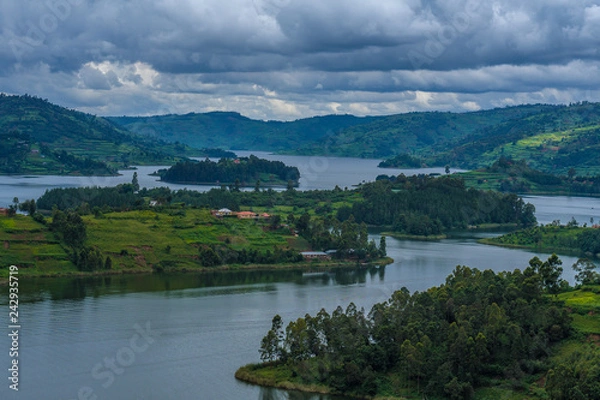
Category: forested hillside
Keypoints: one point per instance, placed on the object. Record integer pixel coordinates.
(517, 176)
(40, 137)
(231, 130)
(553, 138)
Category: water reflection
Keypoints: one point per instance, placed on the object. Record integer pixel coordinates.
(275, 394)
(187, 284)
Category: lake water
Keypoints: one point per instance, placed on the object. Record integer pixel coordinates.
(183, 336)
(316, 173)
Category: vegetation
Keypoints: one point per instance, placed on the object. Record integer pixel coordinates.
(479, 329)
(425, 206)
(239, 172)
(101, 234)
(402, 161)
(43, 138)
(567, 239)
(554, 140)
(516, 176)
(142, 241)
(420, 205)
(229, 130)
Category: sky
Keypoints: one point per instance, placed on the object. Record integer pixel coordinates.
(291, 59)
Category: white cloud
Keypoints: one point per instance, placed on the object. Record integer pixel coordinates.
(285, 59)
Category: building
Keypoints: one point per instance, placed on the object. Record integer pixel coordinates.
(223, 212)
(315, 255)
(246, 215)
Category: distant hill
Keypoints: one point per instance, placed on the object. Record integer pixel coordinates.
(231, 130)
(416, 133)
(42, 138)
(553, 138)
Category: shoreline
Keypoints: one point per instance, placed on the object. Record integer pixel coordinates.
(301, 266)
(545, 249)
(247, 374)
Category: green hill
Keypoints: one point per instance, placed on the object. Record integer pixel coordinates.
(418, 133)
(516, 176)
(231, 130)
(553, 138)
(42, 138)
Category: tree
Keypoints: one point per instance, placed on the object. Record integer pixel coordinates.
(271, 347)
(382, 246)
(274, 221)
(135, 183)
(208, 257)
(70, 227)
(302, 222)
(586, 272)
(549, 272)
(268, 347)
(108, 263)
(28, 206)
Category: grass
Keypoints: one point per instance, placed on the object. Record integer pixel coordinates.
(143, 240)
(29, 244)
(585, 306)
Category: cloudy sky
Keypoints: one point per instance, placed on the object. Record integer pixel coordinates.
(288, 59)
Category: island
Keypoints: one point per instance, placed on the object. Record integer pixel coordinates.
(238, 172)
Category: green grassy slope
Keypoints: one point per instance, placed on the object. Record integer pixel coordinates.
(420, 133)
(40, 137)
(137, 241)
(554, 140)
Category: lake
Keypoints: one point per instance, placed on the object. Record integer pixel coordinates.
(183, 336)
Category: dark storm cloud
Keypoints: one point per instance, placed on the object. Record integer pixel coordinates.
(297, 51)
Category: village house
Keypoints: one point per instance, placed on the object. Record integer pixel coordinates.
(223, 212)
(246, 215)
(315, 255)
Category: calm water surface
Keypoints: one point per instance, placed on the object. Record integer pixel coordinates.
(203, 327)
